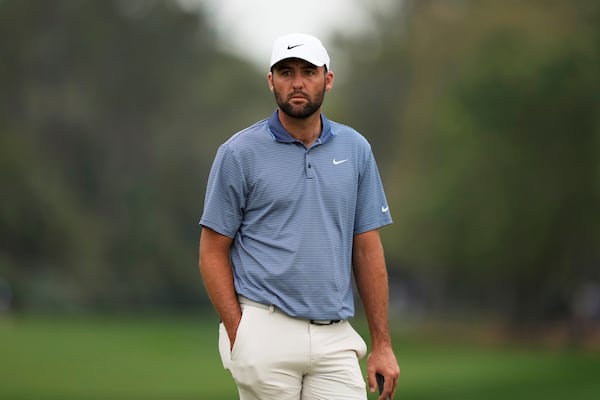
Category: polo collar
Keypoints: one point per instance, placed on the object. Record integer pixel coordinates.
(281, 135)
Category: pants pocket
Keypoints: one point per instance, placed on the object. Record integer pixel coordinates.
(225, 349)
(224, 346)
(360, 347)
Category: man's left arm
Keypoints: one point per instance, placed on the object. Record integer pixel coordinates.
(370, 274)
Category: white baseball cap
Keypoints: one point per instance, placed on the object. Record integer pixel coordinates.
(300, 45)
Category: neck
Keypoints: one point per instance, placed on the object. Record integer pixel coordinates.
(306, 130)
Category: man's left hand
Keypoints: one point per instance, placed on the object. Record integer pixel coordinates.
(383, 361)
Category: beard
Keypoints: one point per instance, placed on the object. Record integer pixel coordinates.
(299, 111)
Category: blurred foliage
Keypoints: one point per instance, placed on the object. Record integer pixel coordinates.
(483, 116)
(486, 113)
(111, 114)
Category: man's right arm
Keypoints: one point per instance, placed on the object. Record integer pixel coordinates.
(217, 274)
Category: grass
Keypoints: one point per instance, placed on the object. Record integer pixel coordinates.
(176, 358)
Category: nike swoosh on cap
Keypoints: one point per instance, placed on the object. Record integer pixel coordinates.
(296, 45)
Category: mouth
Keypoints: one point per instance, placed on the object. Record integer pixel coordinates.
(298, 96)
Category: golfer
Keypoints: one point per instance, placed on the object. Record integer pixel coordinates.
(291, 214)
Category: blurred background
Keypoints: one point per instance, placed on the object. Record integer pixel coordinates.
(483, 116)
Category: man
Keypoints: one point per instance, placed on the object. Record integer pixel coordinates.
(292, 208)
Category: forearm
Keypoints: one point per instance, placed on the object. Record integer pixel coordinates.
(218, 280)
(217, 275)
(371, 279)
(372, 282)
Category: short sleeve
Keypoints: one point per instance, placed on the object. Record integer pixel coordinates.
(372, 210)
(224, 199)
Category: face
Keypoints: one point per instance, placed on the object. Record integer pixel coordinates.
(299, 87)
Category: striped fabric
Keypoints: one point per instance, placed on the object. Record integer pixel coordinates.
(292, 213)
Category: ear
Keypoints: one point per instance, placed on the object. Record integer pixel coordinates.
(329, 78)
(270, 80)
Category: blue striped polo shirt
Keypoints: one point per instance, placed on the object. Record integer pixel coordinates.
(292, 213)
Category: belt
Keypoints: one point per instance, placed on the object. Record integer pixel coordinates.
(324, 321)
(271, 308)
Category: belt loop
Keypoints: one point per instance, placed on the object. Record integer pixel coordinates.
(271, 309)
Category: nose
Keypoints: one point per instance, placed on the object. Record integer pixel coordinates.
(297, 82)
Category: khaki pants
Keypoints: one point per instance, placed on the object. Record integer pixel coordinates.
(276, 357)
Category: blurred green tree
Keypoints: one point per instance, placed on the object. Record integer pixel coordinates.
(487, 118)
(110, 117)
